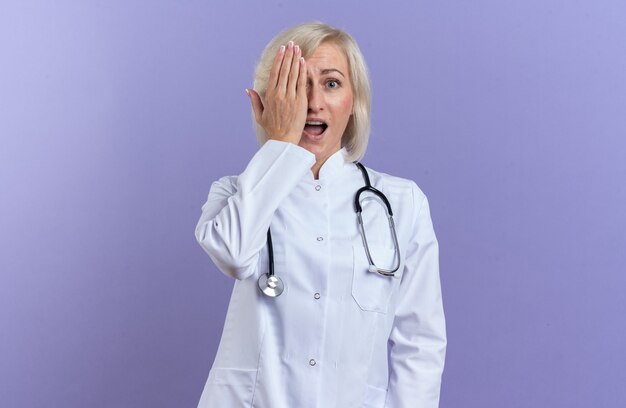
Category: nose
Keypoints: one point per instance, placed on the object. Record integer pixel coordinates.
(316, 99)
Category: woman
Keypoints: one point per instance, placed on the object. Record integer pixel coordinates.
(318, 332)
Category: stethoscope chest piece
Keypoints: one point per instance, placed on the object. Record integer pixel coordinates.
(271, 285)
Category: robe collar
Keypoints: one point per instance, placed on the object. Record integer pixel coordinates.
(332, 167)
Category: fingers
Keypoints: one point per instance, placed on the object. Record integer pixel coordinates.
(273, 79)
(257, 104)
(295, 70)
(285, 68)
(301, 85)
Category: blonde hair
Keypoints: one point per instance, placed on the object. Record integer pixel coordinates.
(309, 36)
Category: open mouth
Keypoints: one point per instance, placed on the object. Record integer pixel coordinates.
(315, 128)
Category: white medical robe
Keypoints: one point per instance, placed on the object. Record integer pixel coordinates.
(324, 342)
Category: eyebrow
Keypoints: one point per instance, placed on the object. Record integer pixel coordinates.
(327, 70)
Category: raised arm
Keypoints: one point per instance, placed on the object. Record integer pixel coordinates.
(233, 226)
(236, 215)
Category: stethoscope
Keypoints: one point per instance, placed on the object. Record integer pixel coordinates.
(272, 285)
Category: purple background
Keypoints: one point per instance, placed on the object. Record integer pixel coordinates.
(116, 116)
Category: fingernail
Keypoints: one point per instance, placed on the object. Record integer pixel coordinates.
(282, 49)
(247, 92)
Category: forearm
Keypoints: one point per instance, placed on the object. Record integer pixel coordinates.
(234, 222)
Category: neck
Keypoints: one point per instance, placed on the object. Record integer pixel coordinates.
(319, 163)
(316, 168)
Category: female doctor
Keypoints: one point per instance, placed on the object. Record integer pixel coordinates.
(326, 311)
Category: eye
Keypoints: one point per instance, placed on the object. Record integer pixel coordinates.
(336, 82)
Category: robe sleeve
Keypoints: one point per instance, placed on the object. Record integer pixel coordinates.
(233, 226)
(417, 341)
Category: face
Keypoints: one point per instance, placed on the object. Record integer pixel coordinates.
(329, 93)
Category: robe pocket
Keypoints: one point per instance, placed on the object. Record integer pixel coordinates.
(371, 290)
(229, 387)
(374, 397)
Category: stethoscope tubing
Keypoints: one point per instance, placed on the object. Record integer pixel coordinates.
(271, 285)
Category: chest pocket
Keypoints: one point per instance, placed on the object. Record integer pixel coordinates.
(371, 290)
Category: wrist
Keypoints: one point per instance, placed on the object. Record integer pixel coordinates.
(287, 138)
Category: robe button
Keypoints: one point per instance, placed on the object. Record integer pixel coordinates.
(316, 296)
(312, 362)
(318, 187)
